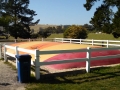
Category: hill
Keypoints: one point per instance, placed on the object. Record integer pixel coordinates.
(36, 27)
(43, 26)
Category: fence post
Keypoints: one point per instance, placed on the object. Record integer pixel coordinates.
(92, 42)
(17, 53)
(54, 39)
(29, 39)
(70, 41)
(37, 66)
(0, 50)
(107, 43)
(88, 56)
(62, 40)
(5, 56)
(15, 41)
(42, 39)
(80, 41)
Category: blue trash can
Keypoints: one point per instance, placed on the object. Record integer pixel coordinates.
(23, 67)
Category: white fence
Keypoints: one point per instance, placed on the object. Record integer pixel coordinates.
(106, 43)
(37, 54)
(26, 40)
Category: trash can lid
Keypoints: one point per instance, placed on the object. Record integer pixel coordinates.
(23, 56)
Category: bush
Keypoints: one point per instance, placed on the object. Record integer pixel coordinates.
(76, 32)
(35, 35)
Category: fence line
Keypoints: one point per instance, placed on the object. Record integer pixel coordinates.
(37, 54)
(107, 43)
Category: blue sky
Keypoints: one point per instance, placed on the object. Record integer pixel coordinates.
(62, 12)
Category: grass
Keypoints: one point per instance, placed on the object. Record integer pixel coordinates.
(102, 36)
(56, 35)
(104, 78)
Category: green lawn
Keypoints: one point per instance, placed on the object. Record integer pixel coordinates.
(102, 36)
(107, 78)
(56, 35)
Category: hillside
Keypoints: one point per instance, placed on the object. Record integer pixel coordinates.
(36, 27)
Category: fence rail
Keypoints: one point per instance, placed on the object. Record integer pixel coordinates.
(37, 53)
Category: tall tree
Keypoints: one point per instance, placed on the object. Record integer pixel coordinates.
(116, 24)
(21, 17)
(104, 18)
(101, 17)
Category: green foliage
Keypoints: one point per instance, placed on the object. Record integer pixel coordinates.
(101, 18)
(116, 24)
(20, 17)
(44, 32)
(76, 32)
(4, 20)
(35, 35)
(89, 27)
(104, 18)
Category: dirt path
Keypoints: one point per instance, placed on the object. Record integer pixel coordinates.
(8, 78)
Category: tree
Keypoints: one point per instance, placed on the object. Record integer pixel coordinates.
(88, 27)
(116, 24)
(4, 20)
(101, 17)
(21, 17)
(77, 32)
(104, 18)
(44, 32)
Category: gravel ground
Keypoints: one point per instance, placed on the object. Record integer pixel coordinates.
(8, 78)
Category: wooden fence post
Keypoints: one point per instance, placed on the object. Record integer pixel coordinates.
(0, 50)
(5, 56)
(17, 53)
(88, 56)
(37, 66)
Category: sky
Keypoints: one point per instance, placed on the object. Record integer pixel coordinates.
(62, 12)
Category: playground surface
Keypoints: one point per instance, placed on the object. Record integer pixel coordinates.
(47, 46)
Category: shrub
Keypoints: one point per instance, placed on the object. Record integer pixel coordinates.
(76, 32)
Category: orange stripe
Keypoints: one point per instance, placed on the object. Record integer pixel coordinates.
(44, 45)
(16, 44)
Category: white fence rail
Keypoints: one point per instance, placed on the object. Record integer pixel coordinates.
(37, 54)
(106, 43)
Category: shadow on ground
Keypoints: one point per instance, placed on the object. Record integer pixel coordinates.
(78, 76)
